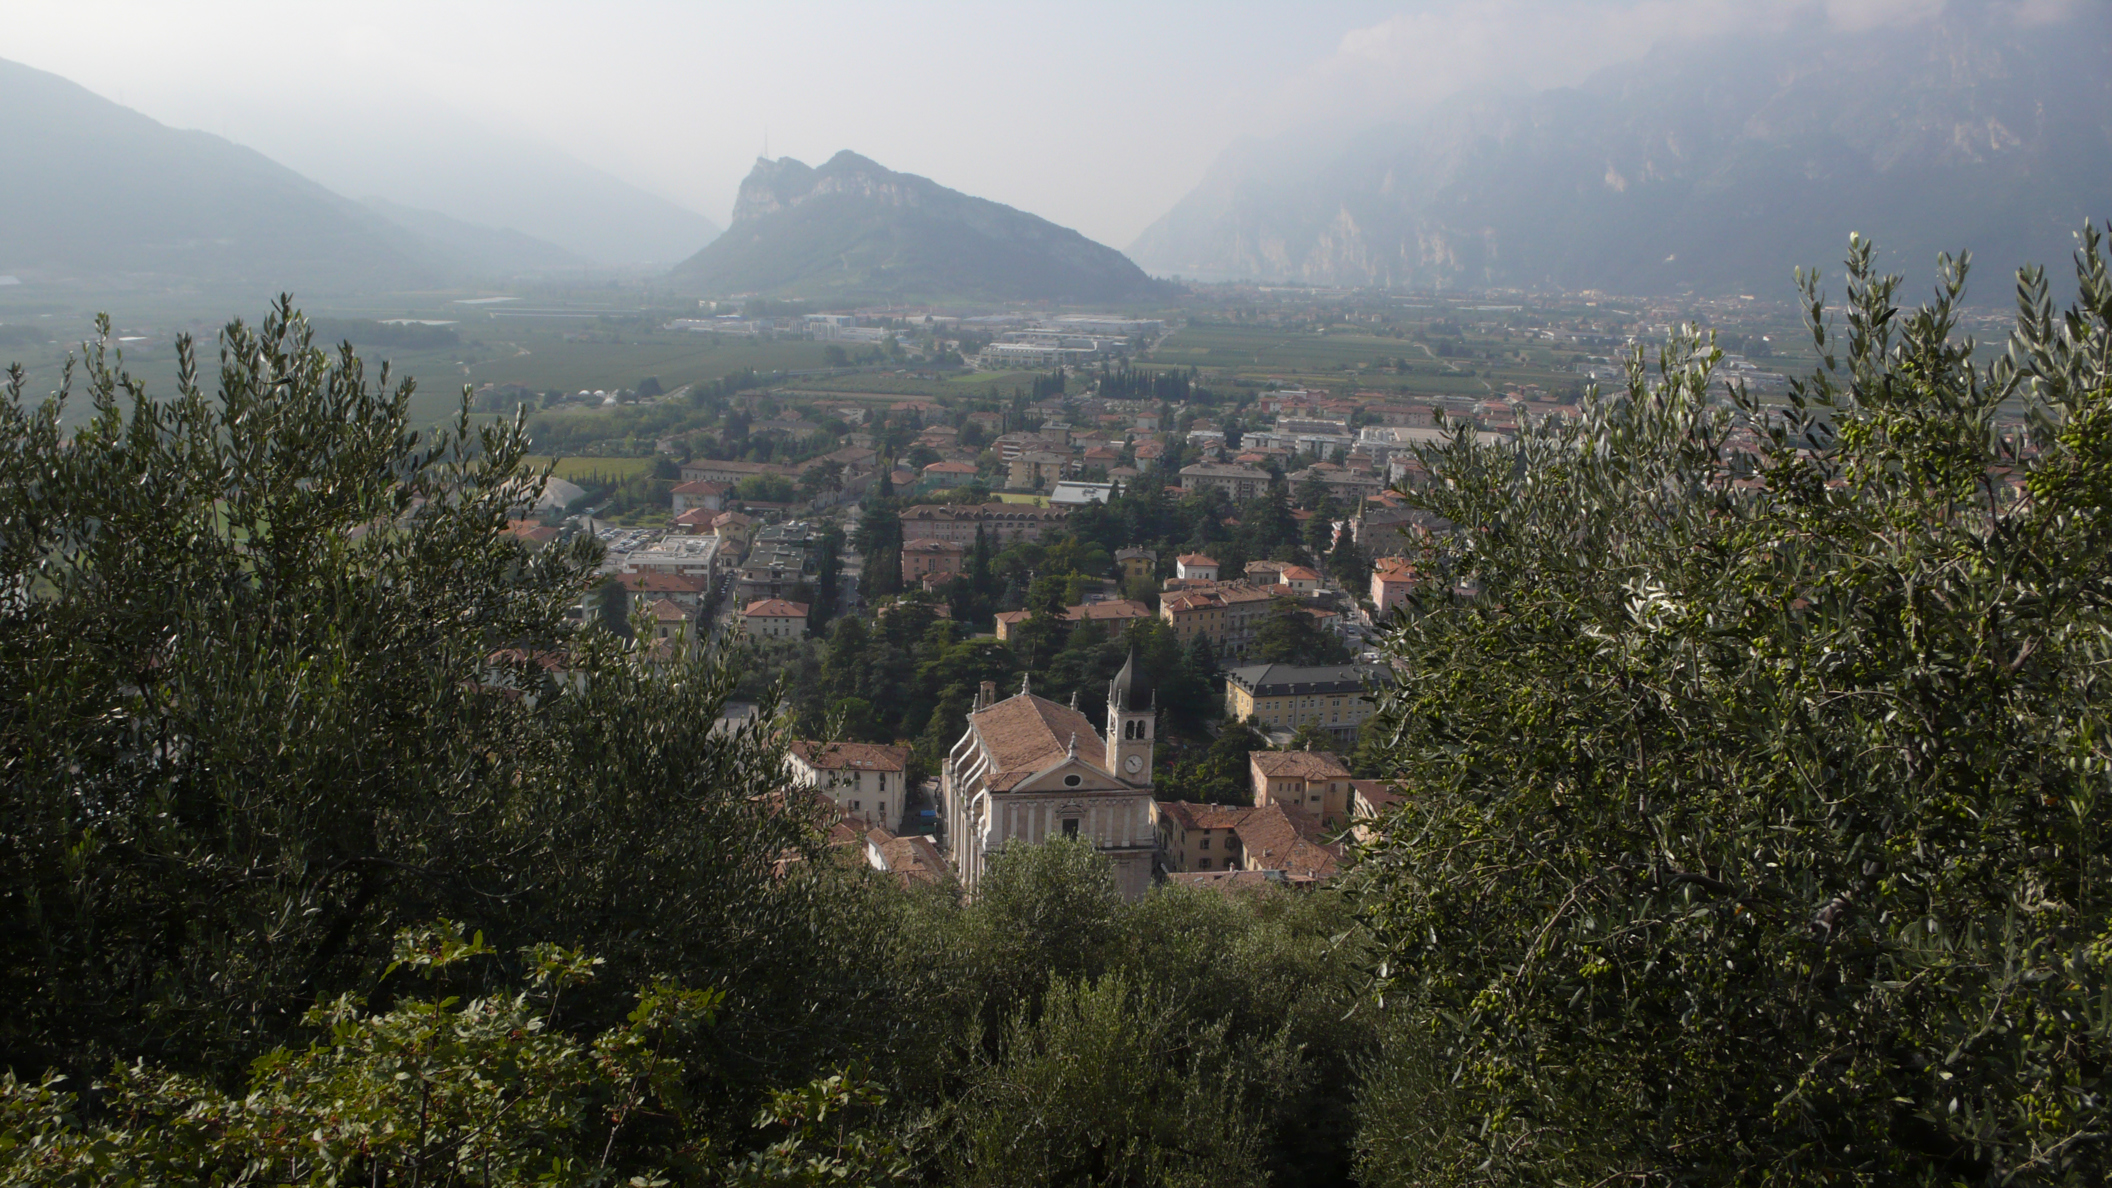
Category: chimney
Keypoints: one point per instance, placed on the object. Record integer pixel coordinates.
(987, 695)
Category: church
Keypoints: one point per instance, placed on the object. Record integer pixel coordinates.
(1032, 769)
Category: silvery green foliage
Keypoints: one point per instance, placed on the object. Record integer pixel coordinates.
(276, 683)
(1755, 758)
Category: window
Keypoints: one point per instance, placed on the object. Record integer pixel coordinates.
(1205, 845)
(1070, 827)
(1072, 781)
(1202, 864)
(883, 781)
(883, 810)
(854, 806)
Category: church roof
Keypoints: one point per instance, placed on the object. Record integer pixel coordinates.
(1025, 734)
(1132, 689)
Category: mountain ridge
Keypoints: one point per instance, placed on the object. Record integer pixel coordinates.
(854, 229)
(1684, 174)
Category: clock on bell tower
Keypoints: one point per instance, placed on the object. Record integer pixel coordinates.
(1132, 712)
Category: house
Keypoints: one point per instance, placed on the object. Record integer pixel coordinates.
(1391, 580)
(696, 521)
(672, 625)
(1028, 769)
(1368, 799)
(1001, 523)
(649, 586)
(1316, 781)
(1237, 480)
(1137, 563)
(731, 472)
(775, 618)
(1275, 837)
(1118, 611)
(949, 474)
(1036, 469)
(909, 859)
(532, 534)
(1299, 579)
(689, 556)
(920, 557)
(700, 494)
(1198, 837)
(1195, 565)
(1227, 881)
(736, 529)
(1283, 697)
(869, 781)
(1230, 614)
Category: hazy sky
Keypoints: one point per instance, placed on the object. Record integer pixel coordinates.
(1099, 115)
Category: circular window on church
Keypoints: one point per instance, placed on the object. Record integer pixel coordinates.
(1072, 781)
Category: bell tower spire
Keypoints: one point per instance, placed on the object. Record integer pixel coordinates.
(1132, 715)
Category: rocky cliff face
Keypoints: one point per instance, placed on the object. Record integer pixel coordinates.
(1716, 170)
(855, 229)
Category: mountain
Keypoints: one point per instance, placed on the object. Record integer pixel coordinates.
(99, 193)
(853, 230)
(476, 250)
(477, 174)
(1714, 169)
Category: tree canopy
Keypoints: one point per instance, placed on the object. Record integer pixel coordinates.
(1755, 828)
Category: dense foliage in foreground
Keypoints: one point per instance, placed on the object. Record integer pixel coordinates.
(1753, 830)
(285, 717)
(1758, 829)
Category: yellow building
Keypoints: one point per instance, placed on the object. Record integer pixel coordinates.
(1284, 697)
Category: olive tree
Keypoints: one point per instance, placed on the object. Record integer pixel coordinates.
(1755, 758)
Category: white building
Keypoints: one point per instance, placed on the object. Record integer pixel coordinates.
(868, 781)
(1031, 770)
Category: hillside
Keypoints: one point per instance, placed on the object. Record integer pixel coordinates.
(852, 229)
(1716, 170)
(477, 250)
(98, 193)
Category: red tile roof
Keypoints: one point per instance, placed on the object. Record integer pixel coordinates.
(775, 608)
(1026, 734)
(1305, 765)
(838, 756)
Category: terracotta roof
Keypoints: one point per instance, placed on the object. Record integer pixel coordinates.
(1275, 837)
(837, 756)
(1026, 733)
(1114, 608)
(950, 468)
(926, 544)
(667, 612)
(775, 608)
(701, 487)
(660, 583)
(909, 859)
(697, 516)
(1195, 559)
(1190, 815)
(1299, 573)
(1310, 765)
(1379, 794)
(1226, 880)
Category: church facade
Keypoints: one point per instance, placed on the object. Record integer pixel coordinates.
(1030, 769)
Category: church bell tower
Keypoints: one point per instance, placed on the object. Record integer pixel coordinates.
(1132, 712)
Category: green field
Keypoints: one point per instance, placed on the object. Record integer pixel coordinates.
(545, 360)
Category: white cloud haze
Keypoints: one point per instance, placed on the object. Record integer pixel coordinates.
(1098, 115)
